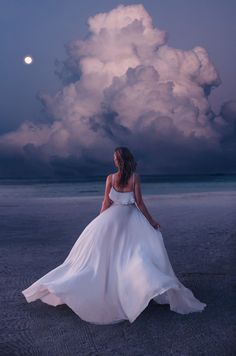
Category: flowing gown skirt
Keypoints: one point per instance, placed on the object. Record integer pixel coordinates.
(116, 266)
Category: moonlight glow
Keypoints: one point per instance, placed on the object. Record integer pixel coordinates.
(28, 60)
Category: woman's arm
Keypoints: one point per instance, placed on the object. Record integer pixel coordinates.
(106, 203)
(140, 203)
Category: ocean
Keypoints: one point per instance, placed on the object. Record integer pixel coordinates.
(95, 186)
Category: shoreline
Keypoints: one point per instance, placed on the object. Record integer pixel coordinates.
(164, 196)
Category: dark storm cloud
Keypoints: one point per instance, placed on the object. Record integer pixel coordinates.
(123, 85)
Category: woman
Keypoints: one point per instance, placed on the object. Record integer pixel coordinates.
(119, 262)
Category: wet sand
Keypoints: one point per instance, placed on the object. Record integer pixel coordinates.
(199, 231)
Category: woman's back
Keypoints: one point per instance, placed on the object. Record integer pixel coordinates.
(129, 185)
(122, 197)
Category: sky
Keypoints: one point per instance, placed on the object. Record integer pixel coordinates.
(155, 76)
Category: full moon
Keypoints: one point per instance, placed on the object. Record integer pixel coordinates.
(28, 60)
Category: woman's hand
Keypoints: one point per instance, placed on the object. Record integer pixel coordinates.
(155, 224)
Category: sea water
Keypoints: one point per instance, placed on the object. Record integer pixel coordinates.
(95, 186)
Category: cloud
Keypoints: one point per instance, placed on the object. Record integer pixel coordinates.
(123, 85)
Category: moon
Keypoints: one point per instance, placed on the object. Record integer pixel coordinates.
(28, 60)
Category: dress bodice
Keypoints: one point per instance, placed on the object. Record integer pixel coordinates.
(121, 198)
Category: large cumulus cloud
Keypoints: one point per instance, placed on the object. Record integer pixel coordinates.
(123, 85)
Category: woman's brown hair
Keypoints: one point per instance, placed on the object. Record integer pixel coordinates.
(127, 164)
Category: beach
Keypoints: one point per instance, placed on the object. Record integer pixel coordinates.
(199, 231)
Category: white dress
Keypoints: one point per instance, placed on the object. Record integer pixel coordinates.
(115, 267)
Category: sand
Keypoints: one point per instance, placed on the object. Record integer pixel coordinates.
(199, 231)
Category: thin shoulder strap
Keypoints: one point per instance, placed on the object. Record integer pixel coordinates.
(133, 181)
(112, 180)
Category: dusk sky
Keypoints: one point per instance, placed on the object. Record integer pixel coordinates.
(155, 76)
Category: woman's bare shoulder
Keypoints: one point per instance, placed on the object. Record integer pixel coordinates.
(109, 177)
(136, 177)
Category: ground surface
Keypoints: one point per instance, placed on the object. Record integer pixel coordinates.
(199, 234)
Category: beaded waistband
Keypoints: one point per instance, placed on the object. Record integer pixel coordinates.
(123, 204)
